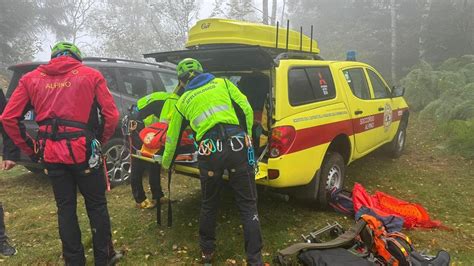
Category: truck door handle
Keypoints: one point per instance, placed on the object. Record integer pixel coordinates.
(381, 108)
(358, 112)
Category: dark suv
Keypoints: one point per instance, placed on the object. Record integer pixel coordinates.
(128, 81)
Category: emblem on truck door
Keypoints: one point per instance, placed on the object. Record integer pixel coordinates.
(387, 117)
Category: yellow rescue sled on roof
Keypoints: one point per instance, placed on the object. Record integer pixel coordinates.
(215, 31)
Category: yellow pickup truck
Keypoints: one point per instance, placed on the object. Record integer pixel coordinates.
(315, 116)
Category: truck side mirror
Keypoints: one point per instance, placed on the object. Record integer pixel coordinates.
(398, 91)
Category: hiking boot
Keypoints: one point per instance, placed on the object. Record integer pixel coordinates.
(6, 250)
(115, 258)
(152, 204)
(146, 204)
(207, 258)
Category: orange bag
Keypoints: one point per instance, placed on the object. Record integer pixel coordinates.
(414, 215)
(154, 136)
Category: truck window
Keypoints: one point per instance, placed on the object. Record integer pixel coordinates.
(311, 84)
(357, 82)
(380, 90)
(138, 83)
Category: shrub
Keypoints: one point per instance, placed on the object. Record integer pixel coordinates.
(421, 87)
(461, 139)
(446, 95)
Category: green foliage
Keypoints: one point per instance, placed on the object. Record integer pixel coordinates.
(461, 139)
(446, 95)
(421, 86)
(468, 71)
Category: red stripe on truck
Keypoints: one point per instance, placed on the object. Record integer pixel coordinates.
(313, 136)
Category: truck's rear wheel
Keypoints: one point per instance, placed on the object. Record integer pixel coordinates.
(333, 171)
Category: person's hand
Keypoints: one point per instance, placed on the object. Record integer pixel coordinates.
(7, 165)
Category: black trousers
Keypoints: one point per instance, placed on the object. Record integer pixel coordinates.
(242, 182)
(66, 179)
(3, 236)
(138, 170)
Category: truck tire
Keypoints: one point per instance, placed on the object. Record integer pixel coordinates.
(333, 171)
(117, 162)
(397, 145)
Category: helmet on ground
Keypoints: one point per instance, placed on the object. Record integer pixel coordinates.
(188, 66)
(66, 48)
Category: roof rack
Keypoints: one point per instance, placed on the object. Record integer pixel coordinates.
(297, 55)
(118, 60)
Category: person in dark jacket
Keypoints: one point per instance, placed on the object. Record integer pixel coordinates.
(10, 154)
(67, 97)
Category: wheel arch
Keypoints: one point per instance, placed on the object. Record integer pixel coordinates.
(342, 145)
(405, 116)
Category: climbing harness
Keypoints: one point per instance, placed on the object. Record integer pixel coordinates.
(55, 135)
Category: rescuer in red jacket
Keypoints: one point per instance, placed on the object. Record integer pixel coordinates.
(67, 98)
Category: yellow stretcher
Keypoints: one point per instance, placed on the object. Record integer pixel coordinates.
(262, 173)
(216, 31)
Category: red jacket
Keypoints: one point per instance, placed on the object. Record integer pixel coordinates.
(64, 89)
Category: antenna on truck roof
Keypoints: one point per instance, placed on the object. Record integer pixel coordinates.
(301, 38)
(287, 33)
(288, 36)
(278, 27)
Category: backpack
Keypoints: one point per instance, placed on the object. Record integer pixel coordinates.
(368, 234)
(341, 201)
(393, 248)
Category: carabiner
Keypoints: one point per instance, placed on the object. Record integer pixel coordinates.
(203, 150)
(251, 156)
(248, 141)
(211, 146)
(219, 145)
(239, 141)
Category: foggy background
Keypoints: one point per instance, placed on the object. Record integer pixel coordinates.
(425, 45)
(393, 35)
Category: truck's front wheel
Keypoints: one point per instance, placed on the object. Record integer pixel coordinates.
(397, 145)
(333, 171)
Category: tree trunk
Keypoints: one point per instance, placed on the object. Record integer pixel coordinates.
(274, 11)
(283, 11)
(265, 12)
(423, 27)
(393, 14)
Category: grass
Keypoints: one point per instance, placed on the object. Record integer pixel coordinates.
(424, 174)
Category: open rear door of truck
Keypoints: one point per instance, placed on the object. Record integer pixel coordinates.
(222, 58)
